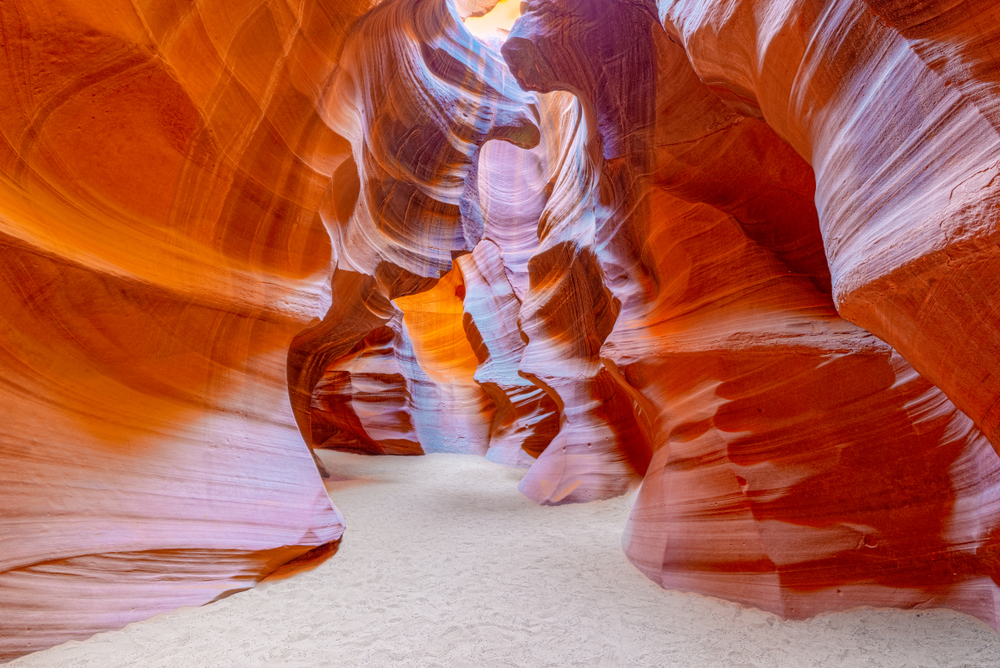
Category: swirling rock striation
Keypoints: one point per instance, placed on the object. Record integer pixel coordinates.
(799, 463)
(893, 104)
(657, 246)
(526, 416)
(416, 96)
(161, 171)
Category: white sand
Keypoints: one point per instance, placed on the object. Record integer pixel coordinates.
(445, 564)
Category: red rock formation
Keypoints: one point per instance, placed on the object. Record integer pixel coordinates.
(415, 108)
(568, 312)
(228, 224)
(364, 401)
(454, 414)
(894, 105)
(526, 416)
(800, 464)
(161, 169)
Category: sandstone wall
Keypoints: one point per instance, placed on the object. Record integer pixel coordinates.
(742, 252)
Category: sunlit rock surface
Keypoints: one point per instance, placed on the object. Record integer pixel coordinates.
(161, 170)
(526, 416)
(416, 96)
(894, 104)
(364, 401)
(800, 464)
(741, 252)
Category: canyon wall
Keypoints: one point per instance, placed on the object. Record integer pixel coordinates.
(894, 106)
(189, 196)
(742, 253)
(161, 170)
(799, 463)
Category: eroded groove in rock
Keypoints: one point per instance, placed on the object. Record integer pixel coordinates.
(894, 106)
(526, 417)
(364, 401)
(452, 411)
(568, 312)
(767, 485)
(513, 189)
(161, 169)
(416, 95)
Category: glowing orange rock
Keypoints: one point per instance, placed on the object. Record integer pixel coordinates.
(406, 200)
(161, 170)
(363, 402)
(228, 224)
(894, 104)
(567, 313)
(800, 464)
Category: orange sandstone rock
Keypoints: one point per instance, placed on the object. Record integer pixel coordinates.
(894, 105)
(800, 464)
(161, 169)
(415, 108)
(526, 416)
(230, 227)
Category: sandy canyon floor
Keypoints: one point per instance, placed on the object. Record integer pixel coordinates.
(445, 564)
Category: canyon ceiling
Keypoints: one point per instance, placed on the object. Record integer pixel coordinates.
(743, 251)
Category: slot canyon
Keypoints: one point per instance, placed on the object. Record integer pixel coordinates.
(737, 261)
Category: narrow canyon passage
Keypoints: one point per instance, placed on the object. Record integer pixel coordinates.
(446, 564)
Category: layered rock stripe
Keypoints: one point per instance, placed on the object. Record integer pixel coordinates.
(740, 252)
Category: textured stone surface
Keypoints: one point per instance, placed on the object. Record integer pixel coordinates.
(161, 169)
(526, 416)
(744, 252)
(894, 105)
(415, 109)
(800, 464)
